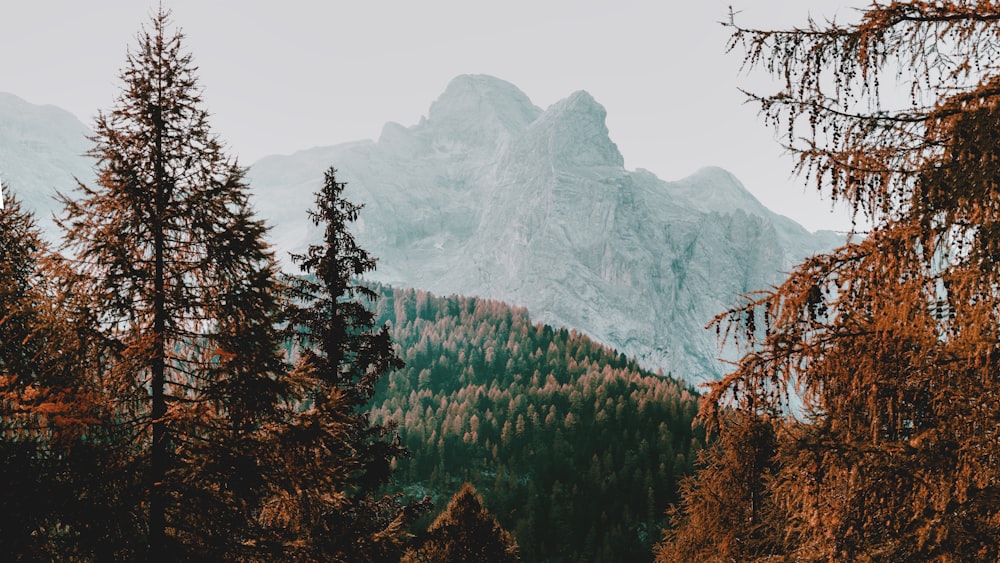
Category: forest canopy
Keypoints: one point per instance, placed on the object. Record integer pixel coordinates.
(574, 448)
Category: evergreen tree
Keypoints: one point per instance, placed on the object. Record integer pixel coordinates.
(465, 533)
(21, 291)
(330, 506)
(891, 343)
(184, 288)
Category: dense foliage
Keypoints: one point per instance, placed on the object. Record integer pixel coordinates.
(574, 448)
(866, 423)
(147, 411)
(60, 481)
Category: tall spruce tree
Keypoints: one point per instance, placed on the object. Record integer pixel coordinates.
(330, 506)
(892, 342)
(184, 287)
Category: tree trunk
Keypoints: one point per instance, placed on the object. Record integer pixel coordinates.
(158, 462)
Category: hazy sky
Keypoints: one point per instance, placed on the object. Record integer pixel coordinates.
(284, 76)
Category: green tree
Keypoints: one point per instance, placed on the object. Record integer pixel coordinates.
(465, 533)
(184, 289)
(887, 450)
(331, 506)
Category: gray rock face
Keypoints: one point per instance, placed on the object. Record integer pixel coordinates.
(491, 196)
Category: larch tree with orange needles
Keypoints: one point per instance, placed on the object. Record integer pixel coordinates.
(862, 422)
(56, 455)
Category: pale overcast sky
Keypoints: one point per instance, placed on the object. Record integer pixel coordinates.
(285, 76)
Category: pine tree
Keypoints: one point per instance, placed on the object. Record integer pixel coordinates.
(888, 449)
(184, 288)
(330, 505)
(20, 290)
(465, 533)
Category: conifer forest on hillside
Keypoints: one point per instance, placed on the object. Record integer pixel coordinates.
(168, 393)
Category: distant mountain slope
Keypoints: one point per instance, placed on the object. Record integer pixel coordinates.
(41, 151)
(491, 196)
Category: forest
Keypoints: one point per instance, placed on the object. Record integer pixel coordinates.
(576, 450)
(168, 394)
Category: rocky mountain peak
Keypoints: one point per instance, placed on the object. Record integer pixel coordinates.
(491, 196)
(572, 132)
(715, 189)
(480, 110)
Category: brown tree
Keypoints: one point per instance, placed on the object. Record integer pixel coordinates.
(875, 364)
(727, 513)
(465, 533)
(183, 289)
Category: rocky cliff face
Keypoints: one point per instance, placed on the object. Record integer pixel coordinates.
(491, 196)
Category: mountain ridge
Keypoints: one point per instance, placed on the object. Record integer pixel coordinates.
(544, 215)
(490, 195)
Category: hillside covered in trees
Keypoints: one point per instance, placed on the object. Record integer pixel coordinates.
(575, 449)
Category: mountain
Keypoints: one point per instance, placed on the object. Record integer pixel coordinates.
(492, 196)
(41, 151)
